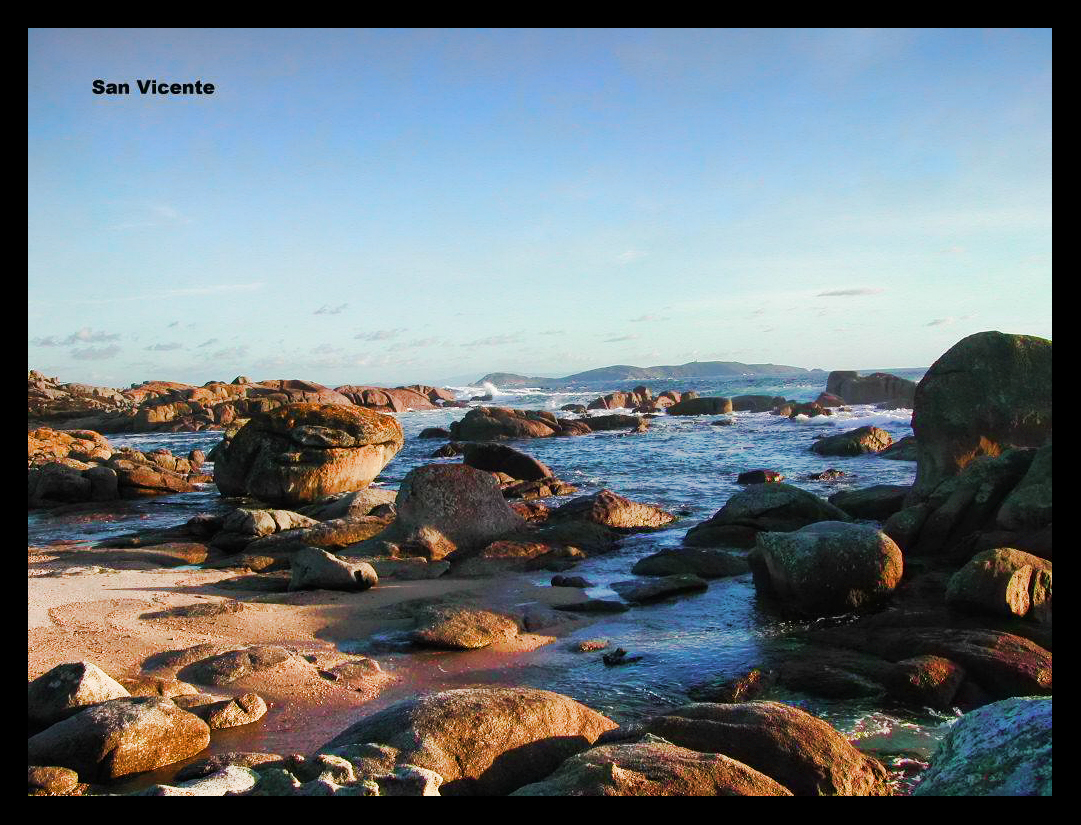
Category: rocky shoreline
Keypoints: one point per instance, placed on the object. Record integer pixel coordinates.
(937, 596)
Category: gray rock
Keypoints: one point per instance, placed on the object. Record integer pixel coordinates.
(67, 689)
(662, 587)
(315, 569)
(1001, 749)
(827, 567)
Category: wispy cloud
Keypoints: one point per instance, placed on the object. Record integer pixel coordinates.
(379, 334)
(621, 338)
(95, 353)
(208, 342)
(846, 293)
(187, 292)
(630, 256)
(423, 342)
(326, 309)
(495, 341)
(165, 347)
(152, 216)
(648, 317)
(86, 335)
(228, 354)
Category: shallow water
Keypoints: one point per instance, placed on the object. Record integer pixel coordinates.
(682, 464)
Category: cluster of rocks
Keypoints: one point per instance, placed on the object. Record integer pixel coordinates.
(526, 742)
(166, 406)
(84, 722)
(498, 423)
(75, 466)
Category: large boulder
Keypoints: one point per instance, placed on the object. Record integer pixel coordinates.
(827, 567)
(988, 392)
(300, 453)
(120, 737)
(801, 752)
(1001, 749)
(462, 504)
(1005, 582)
(653, 768)
(701, 406)
(67, 689)
(871, 389)
(481, 741)
(494, 423)
(499, 458)
(859, 441)
(772, 507)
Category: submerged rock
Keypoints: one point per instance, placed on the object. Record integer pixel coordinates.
(662, 587)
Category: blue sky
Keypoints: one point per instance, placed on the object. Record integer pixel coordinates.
(398, 206)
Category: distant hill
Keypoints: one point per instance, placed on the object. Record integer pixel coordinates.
(624, 372)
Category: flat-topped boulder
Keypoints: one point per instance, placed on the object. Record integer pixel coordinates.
(301, 453)
(481, 741)
(660, 587)
(701, 406)
(772, 507)
(987, 393)
(875, 388)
